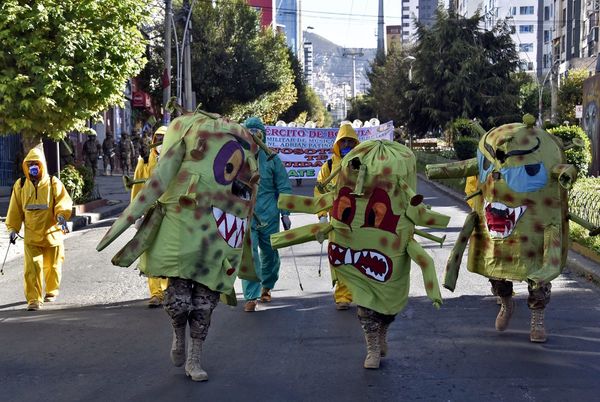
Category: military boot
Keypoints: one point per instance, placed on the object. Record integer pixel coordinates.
(538, 332)
(178, 347)
(373, 350)
(507, 308)
(193, 369)
(383, 346)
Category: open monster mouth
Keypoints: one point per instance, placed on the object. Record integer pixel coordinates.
(370, 262)
(231, 228)
(501, 219)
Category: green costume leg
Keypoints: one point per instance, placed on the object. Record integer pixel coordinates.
(420, 256)
(252, 289)
(453, 265)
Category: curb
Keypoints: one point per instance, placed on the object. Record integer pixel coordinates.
(83, 220)
(576, 262)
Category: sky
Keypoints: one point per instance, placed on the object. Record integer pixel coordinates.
(349, 23)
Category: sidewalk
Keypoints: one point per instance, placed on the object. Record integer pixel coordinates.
(110, 188)
(576, 262)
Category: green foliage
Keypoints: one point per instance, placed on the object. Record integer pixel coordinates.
(570, 94)
(88, 181)
(62, 62)
(73, 182)
(239, 69)
(459, 71)
(579, 157)
(361, 108)
(466, 147)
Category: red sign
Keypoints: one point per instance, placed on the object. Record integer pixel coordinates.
(140, 99)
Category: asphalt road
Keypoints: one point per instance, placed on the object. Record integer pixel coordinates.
(100, 342)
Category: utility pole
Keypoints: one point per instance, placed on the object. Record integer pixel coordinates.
(380, 33)
(353, 54)
(553, 93)
(167, 69)
(187, 60)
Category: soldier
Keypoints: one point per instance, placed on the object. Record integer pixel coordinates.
(145, 147)
(108, 149)
(91, 150)
(126, 150)
(67, 152)
(135, 140)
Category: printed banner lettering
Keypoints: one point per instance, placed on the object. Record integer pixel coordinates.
(304, 150)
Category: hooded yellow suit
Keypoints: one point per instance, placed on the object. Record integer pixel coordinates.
(341, 293)
(36, 207)
(144, 170)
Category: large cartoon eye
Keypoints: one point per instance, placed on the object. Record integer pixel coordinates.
(532, 170)
(228, 162)
(379, 212)
(344, 206)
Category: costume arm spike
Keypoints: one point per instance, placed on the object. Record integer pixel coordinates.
(453, 170)
(552, 264)
(304, 234)
(420, 215)
(322, 187)
(593, 231)
(423, 260)
(309, 205)
(566, 175)
(156, 185)
(453, 264)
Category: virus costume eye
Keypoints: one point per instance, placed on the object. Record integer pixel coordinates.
(379, 212)
(228, 162)
(344, 207)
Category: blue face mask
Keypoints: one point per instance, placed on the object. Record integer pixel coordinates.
(344, 151)
(34, 170)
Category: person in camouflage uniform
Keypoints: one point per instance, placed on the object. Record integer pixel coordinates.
(135, 140)
(145, 142)
(108, 150)
(126, 153)
(91, 150)
(67, 152)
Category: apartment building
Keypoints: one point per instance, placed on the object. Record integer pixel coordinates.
(421, 10)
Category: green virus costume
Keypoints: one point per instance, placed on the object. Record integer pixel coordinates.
(374, 210)
(518, 229)
(196, 205)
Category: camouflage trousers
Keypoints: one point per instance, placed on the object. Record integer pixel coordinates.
(537, 300)
(372, 321)
(190, 302)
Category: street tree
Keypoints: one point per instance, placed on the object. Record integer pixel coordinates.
(239, 69)
(570, 94)
(459, 70)
(62, 62)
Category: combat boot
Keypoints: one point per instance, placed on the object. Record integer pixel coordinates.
(383, 346)
(178, 347)
(538, 332)
(373, 350)
(506, 311)
(193, 369)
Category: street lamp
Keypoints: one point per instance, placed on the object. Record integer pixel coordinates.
(411, 60)
(541, 91)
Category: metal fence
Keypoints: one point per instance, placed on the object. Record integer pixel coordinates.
(9, 148)
(586, 205)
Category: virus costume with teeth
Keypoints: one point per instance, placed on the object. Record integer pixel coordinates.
(374, 210)
(518, 229)
(196, 207)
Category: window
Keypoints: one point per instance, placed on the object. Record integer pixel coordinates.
(405, 8)
(513, 29)
(525, 28)
(546, 13)
(526, 47)
(406, 24)
(405, 16)
(513, 11)
(546, 36)
(527, 10)
(526, 65)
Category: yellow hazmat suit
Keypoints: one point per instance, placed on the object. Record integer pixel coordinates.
(341, 292)
(143, 170)
(470, 188)
(37, 207)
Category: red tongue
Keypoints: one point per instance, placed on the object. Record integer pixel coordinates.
(497, 222)
(376, 265)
